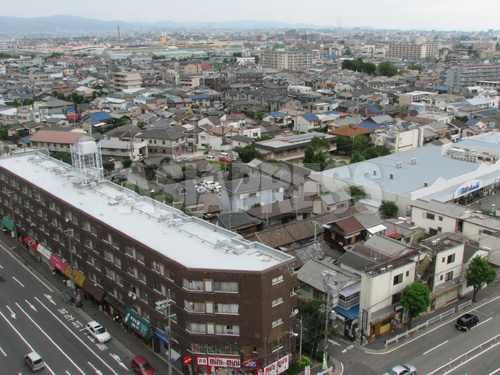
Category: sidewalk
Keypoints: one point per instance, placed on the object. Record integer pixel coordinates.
(482, 296)
(130, 344)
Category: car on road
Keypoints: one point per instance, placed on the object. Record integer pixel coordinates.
(119, 177)
(183, 158)
(141, 366)
(34, 361)
(466, 322)
(98, 332)
(225, 159)
(402, 370)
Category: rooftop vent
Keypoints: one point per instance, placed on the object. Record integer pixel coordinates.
(399, 165)
(413, 161)
(113, 203)
(426, 184)
(374, 172)
(391, 176)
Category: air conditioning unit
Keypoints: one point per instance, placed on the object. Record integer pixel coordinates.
(389, 267)
(413, 160)
(383, 269)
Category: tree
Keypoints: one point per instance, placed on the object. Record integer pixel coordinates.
(257, 59)
(356, 157)
(479, 274)
(319, 143)
(308, 154)
(389, 209)
(247, 153)
(108, 165)
(387, 68)
(415, 67)
(356, 192)
(415, 298)
(369, 68)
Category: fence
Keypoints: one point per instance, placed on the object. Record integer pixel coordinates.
(420, 326)
(464, 305)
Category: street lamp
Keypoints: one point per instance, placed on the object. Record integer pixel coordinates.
(278, 356)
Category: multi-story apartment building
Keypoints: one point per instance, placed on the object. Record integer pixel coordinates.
(279, 58)
(414, 51)
(463, 76)
(120, 81)
(231, 299)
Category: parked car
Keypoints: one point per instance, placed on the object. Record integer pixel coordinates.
(34, 361)
(98, 332)
(119, 177)
(210, 158)
(466, 322)
(141, 366)
(234, 158)
(201, 189)
(225, 159)
(183, 158)
(402, 370)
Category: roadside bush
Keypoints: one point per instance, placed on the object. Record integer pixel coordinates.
(127, 163)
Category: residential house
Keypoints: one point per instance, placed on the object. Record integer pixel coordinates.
(164, 141)
(121, 150)
(238, 222)
(245, 193)
(282, 212)
(55, 140)
(333, 201)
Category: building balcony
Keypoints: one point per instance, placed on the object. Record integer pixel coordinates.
(346, 305)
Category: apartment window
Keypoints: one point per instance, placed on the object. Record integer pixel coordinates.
(93, 230)
(277, 344)
(192, 285)
(226, 286)
(227, 308)
(130, 251)
(227, 330)
(198, 307)
(449, 276)
(451, 258)
(86, 226)
(157, 286)
(140, 257)
(277, 280)
(118, 261)
(157, 267)
(199, 328)
(144, 296)
(119, 279)
(142, 277)
(108, 256)
(396, 298)
(429, 216)
(110, 273)
(277, 301)
(89, 243)
(440, 218)
(106, 237)
(116, 243)
(277, 322)
(398, 279)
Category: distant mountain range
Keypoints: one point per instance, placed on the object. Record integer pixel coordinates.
(74, 24)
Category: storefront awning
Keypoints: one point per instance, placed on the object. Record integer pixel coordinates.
(138, 324)
(352, 313)
(30, 242)
(8, 224)
(79, 278)
(58, 263)
(93, 290)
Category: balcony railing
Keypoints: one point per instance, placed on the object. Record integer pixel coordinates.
(346, 305)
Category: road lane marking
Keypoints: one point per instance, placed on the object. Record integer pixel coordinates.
(477, 325)
(117, 359)
(27, 269)
(20, 283)
(96, 370)
(50, 339)
(1, 266)
(467, 361)
(3, 351)
(427, 332)
(22, 338)
(74, 334)
(494, 372)
(12, 313)
(30, 305)
(430, 350)
(49, 297)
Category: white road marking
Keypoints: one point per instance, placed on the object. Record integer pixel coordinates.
(333, 342)
(3, 352)
(12, 313)
(67, 372)
(20, 283)
(427, 332)
(494, 372)
(26, 342)
(30, 305)
(1, 266)
(50, 339)
(49, 297)
(73, 333)
(348, 348)
(27, 269)
(96, 370)
(437, 346)
(117, 359)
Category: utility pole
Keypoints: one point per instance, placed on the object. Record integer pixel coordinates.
(300, 343)
(164, 306)
(328, 287)
(70, 234)
(315, 236)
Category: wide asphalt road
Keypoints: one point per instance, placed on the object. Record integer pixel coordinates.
(33, 317)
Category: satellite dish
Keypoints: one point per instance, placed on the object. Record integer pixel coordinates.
(296, 311)
(130, 294)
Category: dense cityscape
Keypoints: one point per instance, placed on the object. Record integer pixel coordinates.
(255, 201)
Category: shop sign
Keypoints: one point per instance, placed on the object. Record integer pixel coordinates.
(44, 251)
(187, 360)
(218, 361)
(138, 324)
(277, 367)
(250, 363)
(79, 278)
(58, 263)
(162, 337)
(468, 187)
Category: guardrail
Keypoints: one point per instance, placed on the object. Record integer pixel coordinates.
(420, 326)
(464, 305)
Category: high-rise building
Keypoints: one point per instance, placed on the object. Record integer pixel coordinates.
(281, 58)
(464, 76)
(425, 50)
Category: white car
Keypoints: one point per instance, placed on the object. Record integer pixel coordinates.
(98, 332)
(402, 370)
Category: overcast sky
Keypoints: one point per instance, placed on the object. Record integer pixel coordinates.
(463, 15)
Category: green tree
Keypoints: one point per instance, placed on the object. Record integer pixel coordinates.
(415, 298)
(247, 153)
(415, 67)
(356, 192)
(369, 68)
(63, 156)
(387, 68)
(462, 119)
(308, 154)
(257, 59)
(319, 144)
(479, 274)
(108, 165)
(356, 157)
(127, 163)
(389, 209)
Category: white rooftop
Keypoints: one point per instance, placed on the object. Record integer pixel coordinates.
(190, 241)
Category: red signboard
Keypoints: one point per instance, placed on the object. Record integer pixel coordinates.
(188, 359)
(58, 263)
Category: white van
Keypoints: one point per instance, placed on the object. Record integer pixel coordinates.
(223, 155)
(34, 361)
(210, 157)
